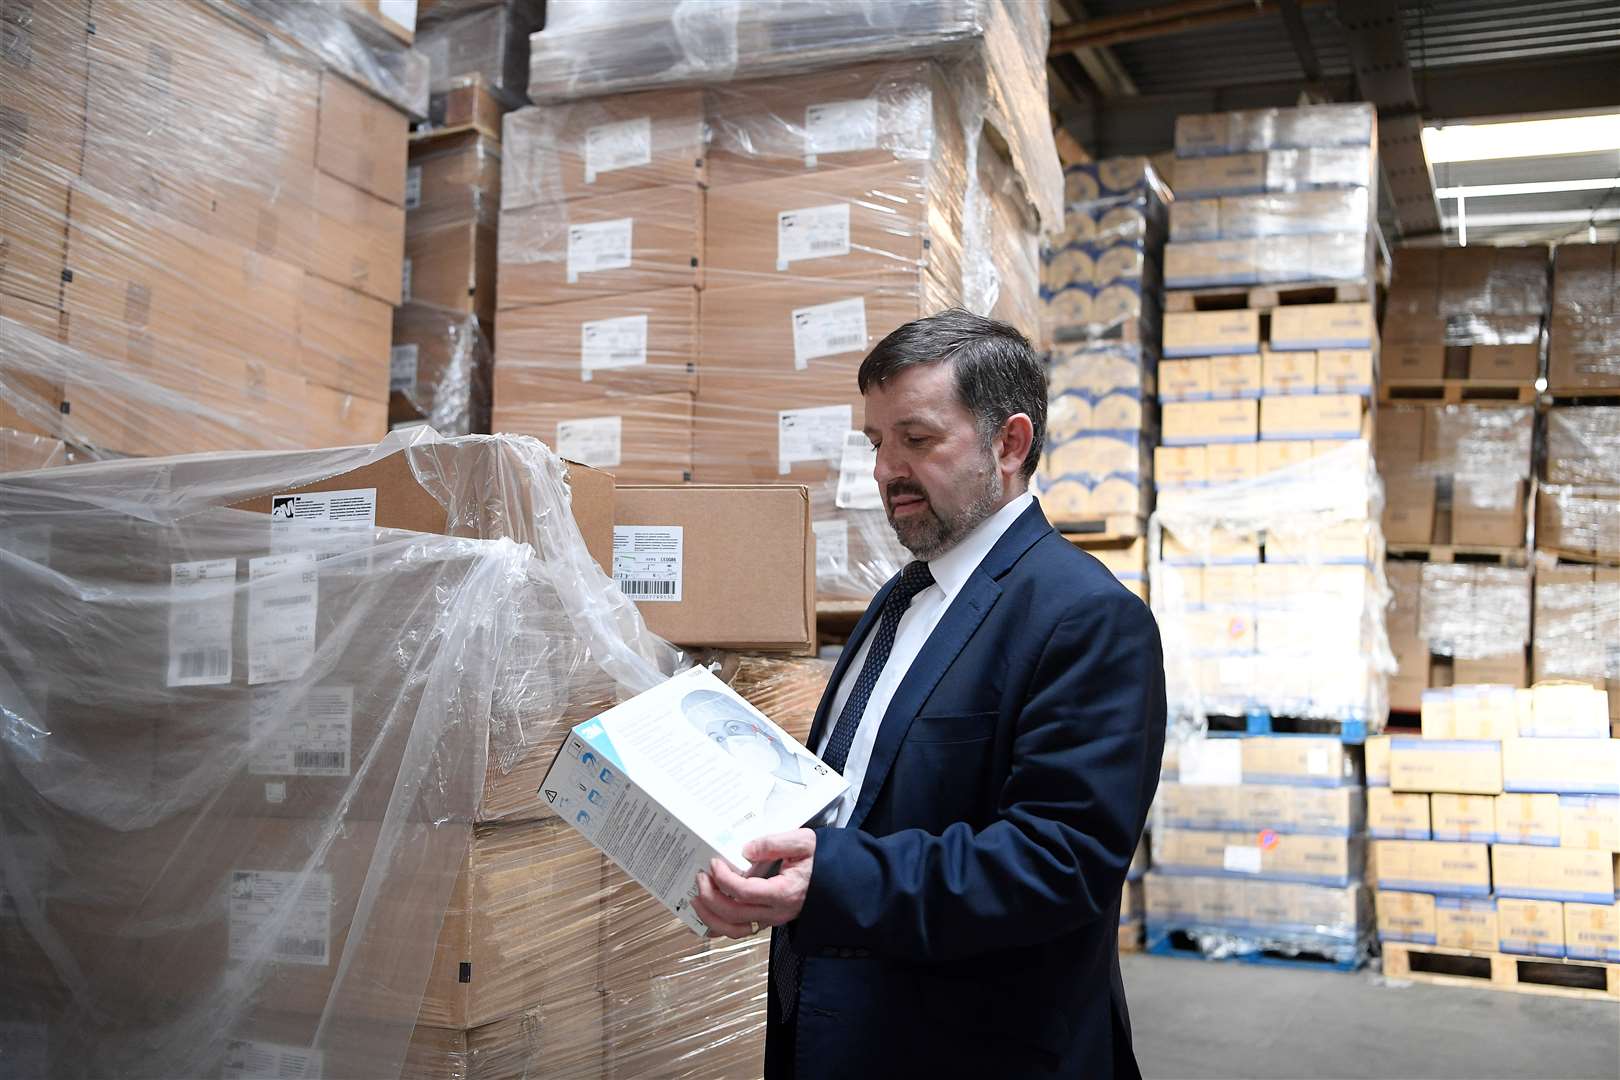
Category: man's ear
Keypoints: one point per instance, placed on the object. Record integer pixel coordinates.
(1016, 437)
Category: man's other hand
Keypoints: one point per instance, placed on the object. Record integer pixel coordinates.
(732, 905)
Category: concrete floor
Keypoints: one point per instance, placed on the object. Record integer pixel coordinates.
(1193, 1018)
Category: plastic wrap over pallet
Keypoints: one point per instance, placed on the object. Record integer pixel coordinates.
(1100, 422)
(1100, 276)
(202, 230)
(1489, 282)
(490, 42)
(1578, 509)
(1299, 632)
(595, 47)
(1225, 917)
(1577, 626)
(1475, 611)
(248, 719)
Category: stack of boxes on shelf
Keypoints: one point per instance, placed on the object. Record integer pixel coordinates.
(1268, 571)
(1100, 282)
(786, 223)
(1456, 476)
(203, 229)
(1498, 829)
(1583, 336)
(1258, 846)
(478, 58)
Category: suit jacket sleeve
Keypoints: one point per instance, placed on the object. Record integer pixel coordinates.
(1071, 812)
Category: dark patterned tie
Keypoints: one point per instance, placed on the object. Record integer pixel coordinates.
(786, 963)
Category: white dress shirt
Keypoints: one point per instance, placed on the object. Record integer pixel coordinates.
(951, 571)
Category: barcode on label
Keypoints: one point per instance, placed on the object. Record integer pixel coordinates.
(205, 663)
(286, 601)
(297, 948)
(634, 589)
(320, 759)
(846, 341)
(827, 245)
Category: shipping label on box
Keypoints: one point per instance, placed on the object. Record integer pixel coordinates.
(1544, 873)
(1589, 821)
(1530, 927)
(1323, 326)
(1465, 923)
(1528, 819)
(1433, 866)
(1377, 752)
(1592, 932)
(1405, 916)
(1463, 817)
(1396, 815)
(680, 775)
(1463, 766)
(1211, 333)
(1564, 766)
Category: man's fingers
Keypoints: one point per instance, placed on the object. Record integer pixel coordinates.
(748, 890)
(738, 914)
(798, 844)
(718, 925)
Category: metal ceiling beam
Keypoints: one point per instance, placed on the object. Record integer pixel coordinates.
(1102, 68)
(1166, 19)
(1300, 38)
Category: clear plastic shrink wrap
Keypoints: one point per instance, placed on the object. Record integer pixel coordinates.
(1270, 594)
(1226, 917)
(487, 42)
(1577, 626)
(1475, 611)
(203, 232)
(1578, 509)
(839, 205)
(270, 780)
(1583, 336)
(1100, 276)
(1474, 459)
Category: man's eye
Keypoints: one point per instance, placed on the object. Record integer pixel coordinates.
(916, 440)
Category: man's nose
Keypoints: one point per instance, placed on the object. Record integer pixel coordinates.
(890, 464)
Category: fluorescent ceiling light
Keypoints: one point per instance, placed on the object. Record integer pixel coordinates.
(1536, 187)
(1534, 217)
(1522, 138)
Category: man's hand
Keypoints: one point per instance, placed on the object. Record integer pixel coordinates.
(735, 906)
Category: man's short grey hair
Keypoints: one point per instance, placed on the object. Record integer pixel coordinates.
(997, 373)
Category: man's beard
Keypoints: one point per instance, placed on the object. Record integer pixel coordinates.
(927, 535)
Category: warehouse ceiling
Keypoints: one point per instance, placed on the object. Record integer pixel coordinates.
(1123, 69)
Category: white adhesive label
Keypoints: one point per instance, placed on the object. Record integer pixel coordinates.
(595, 441)
(857, 484)
(606, 344)
(405, 280)
(1241, 859)
(282, 600)
(599, 245)
(300, 732)
(249, 1060)
(275, 791)
(827, 330)
(402, 13)
(402, 368)
(413, 187)
(272, 916)
(202, 613)
(1316, 762)
(327, 523)
(1211, 762)
(832, 127)
(814, 232)
(623, 145)
(811, 435)
(832, 548)
(647, 561)
(24, 1049)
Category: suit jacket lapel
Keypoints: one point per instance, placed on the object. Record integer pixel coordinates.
(845, 658)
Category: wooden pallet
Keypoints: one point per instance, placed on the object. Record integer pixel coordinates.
(1266, 297)
(1451, 553)
(1587, 395)
(1104, 531)
(1589, 979)
(1456, 392)
(1183, 942)
(1590, 558)
(1261, 722)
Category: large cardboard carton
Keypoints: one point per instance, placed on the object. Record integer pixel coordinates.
(727, 567)
(1323, 326)
(1463, 817)
(344, 338)
(1465, 923)
(645, 439)
(1461, 766)
(634, 343)
(451, 267)
(1548, 873)
(361, 139)
(1565, 766)
(1211, 333)
(1320, 416)
(452, 176)
(1405, 916)
(1184, 380)
(1589, 821)
(1377, 758)
(605, 146)
(1531, 927)
(1592, 932)
(1433, 866)
(1186, 423)
(1395, 815)
(359, 239)
(1528, 819)
(1180, 466)
(1312, 760)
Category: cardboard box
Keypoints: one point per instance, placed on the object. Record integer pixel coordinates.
(1566, 710)
(1231, 463)
(1395, 815)
(1185, 423)
(1549, 873)
(1505, 670)
(1344, 543)
(1463, 817)
(1235, 376)
(640, 439)
(1207, 263)
(1270, 456)
(1288, 372)
(1433, 866)
(1531, 927)
(1580, 351)
(1405, 361)
(1488, 511)
(439, 370)
(1297, 759)
(1528, 819)
(1344, 371)
(359, 240)
(637, 343)
(1320, 860)
(1201, 806)
(648, 751)
(590, 248)
(1438, 715)
(1482, 712)
(1463, 923)
(1323, 326)
(1185, 380)
(1226, 174)
(1219, 547)
(1195, 219)
(361, 139)
(1321, 416)
(1405, 916)
(1211, 333)
(1462, 766)
(451, 267)
(607, 145)
(1180, 466)
(1592, 932)
(722, 567)
(1565, 766)
(344, 338)
(1589, 821)
(1377, 754)
(452, 176)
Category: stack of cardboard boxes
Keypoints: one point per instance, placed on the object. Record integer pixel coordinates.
(1100, 283)
(1583, 336)
(1498, 829)
(1258, 845)
(1456, 475)
(203, 231)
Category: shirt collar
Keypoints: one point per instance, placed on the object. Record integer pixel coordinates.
(951, 570)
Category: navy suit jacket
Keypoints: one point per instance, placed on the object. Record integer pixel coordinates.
(966, 920)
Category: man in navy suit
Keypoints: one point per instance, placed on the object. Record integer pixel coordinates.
(999, 713)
